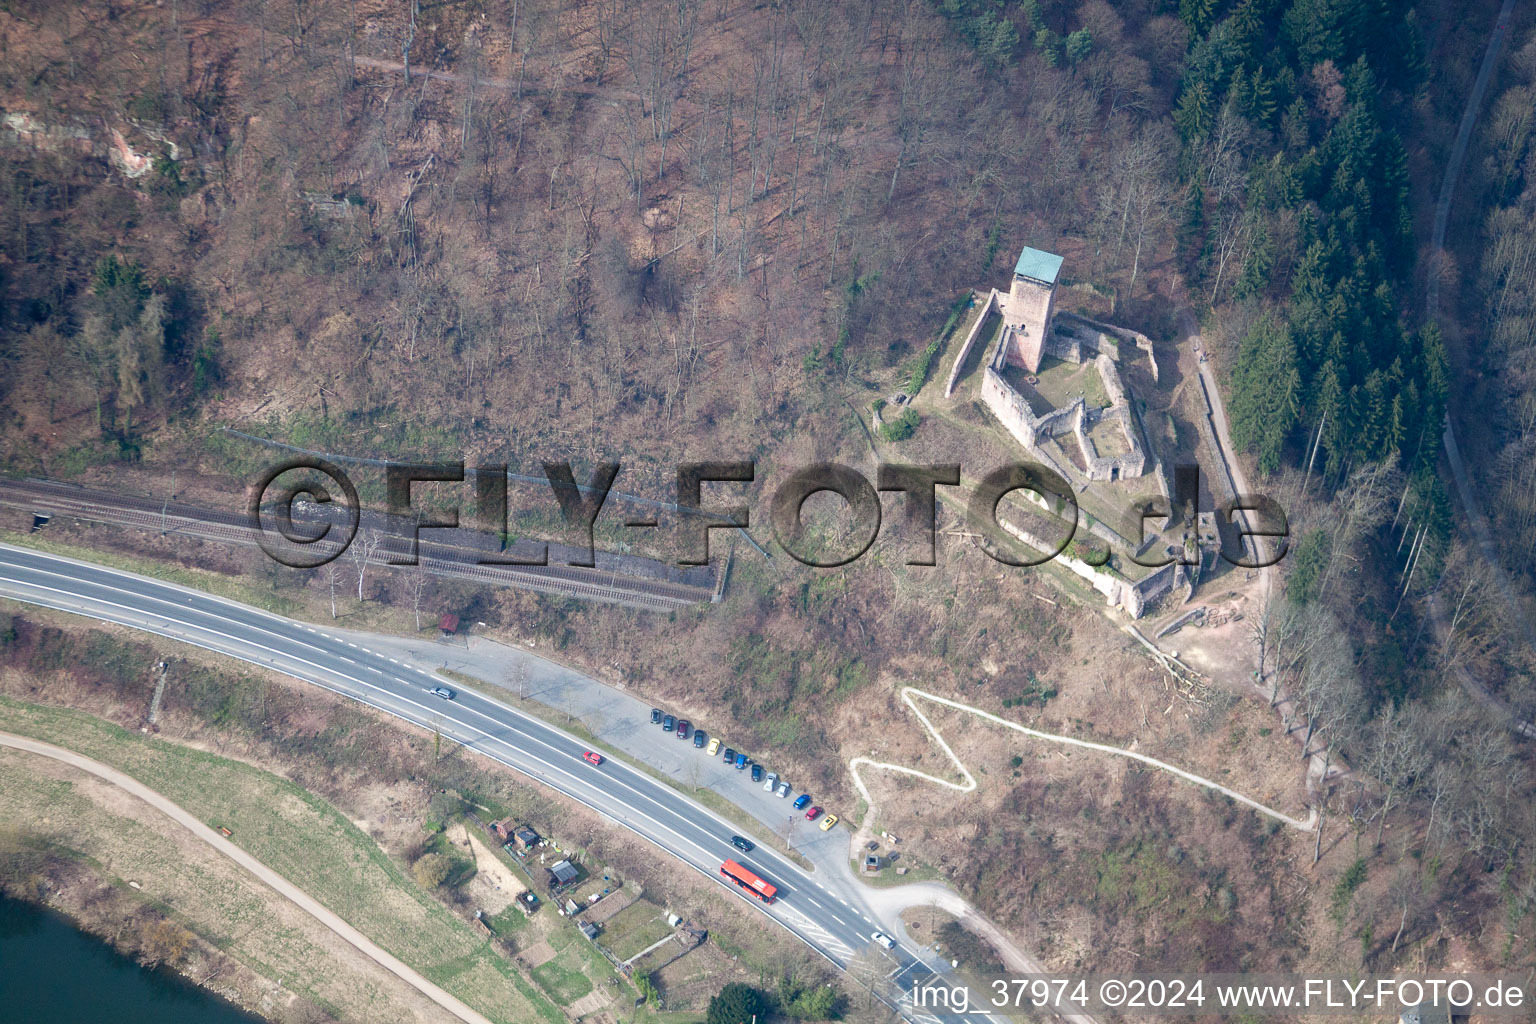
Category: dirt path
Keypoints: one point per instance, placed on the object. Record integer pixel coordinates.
(1320, 769)
(283, 887)
(909, 692)
(1475, 518)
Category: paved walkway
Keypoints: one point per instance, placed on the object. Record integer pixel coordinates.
(284, 887)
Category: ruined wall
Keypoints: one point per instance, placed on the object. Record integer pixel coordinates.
(1110, 374)
(1072, 339)
(1119, 592)
(1131, 463)
(970, 339)
(1125, 334)
(1108, 583)
(1142, 593)
(1008, 406)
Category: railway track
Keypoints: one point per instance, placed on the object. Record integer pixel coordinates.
(606, 584)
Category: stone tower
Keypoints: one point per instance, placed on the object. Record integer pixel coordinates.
(1027, 313)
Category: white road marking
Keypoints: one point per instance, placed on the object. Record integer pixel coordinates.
(392, 702)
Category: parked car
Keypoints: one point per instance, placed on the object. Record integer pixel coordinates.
(730, 756)
(699, 736)
(813, 814)
(801, 801)
(443, 692)
(883, 939)
(757, 773)
(684, 729)
(772, 783)
(668, 723)
(593, 758)
(742, 843)
(783, 789)
(741, 761)
(714, 747)
(655, 716)
(828, 822)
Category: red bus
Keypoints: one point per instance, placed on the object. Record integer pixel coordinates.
(749, 883)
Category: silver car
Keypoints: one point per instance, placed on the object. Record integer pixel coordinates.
(772, 783)
(783, 790)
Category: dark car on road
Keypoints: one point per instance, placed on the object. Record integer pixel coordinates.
(700, 737)
(667, 723)
(742, 843)
(684, 728)
(757, 773)
(729, 756)
(655, 716)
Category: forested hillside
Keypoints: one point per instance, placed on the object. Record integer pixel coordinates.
(1292, 117)
(658, 230)
(1506, 289)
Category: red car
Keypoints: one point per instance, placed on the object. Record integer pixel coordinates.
(593, 758)
(813, 814)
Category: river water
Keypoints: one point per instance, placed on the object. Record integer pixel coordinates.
(52, 974)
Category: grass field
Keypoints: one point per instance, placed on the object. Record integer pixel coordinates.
(578, 955)
(204, 892)
(634, 928)
(563, 983)
(510, 921)
(311, 844)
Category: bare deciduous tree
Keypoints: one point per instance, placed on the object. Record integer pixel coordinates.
(1396, 754)
(417, 585)
(332, 577)
(363, 549)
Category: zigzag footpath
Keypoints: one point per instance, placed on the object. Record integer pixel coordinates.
(908, 693)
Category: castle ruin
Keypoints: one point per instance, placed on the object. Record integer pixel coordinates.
(1099, 416)
(1052, 379)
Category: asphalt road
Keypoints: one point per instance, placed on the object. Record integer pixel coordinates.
(830, 919)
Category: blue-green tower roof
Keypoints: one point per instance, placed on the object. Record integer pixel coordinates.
(1038, 266)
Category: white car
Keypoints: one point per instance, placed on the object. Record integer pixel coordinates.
(783, 789)
(772, 783)
(884, 939)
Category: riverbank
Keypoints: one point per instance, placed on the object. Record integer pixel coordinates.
(72, 888)
(123, 873)
(54, 972)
